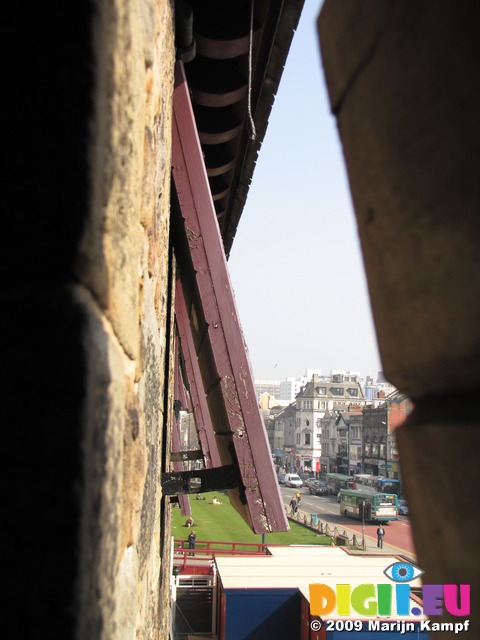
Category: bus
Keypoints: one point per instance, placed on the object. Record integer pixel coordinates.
(388, 485)
(380, 484)
(374, 507)
(337, 481)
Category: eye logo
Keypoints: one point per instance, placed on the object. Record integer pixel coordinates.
(403, 572)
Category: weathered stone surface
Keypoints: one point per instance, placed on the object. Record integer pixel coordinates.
(402, 82)
(104, 425)
(124, 268)
(438, 437)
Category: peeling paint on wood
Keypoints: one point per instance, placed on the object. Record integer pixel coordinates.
(222, 354)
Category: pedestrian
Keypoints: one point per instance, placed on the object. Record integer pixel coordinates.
(191, 541)
(380, 534)
(299, 498)
(189, 522)
(293, 504)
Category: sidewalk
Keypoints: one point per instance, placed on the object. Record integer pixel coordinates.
(370, 541)
(388, 549)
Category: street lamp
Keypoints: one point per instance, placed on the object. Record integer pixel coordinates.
(363, 524)
(348, 448)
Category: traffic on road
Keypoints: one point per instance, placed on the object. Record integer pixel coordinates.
(327, 509)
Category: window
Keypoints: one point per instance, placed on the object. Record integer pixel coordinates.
(353, 393)
(298, 438)
(368, 447)
(307, 438)
(322, 391)
(337, 391)
(383, 448)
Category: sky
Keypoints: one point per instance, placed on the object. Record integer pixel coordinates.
(295, 264)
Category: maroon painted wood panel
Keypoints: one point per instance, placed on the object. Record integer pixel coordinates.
(206, 434)
(217, 335)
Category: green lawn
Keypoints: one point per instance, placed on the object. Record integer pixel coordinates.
(223, 523)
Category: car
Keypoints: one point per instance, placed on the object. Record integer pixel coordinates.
(281, 478)
(318, 488)
(402, 508)
(293, 480)
(310, 482)
(322, 488)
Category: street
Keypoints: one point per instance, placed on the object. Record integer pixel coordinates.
(398, 535)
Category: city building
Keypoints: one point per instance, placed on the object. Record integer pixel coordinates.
(329, 440)
(289, 387)
(341, 392)
(285, 436)
(272, 387)
(342, 441)
(380, 454)
(349, 455)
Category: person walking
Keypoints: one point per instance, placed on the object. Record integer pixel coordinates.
(380, 534)
(191, 541)
(293, 504)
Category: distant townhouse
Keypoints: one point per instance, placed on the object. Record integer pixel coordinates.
(380, 455)
(349, 428)
(342, 441)
(399, 406)
(329, 439)
(336, 395)
(284, 437)
(375, 430)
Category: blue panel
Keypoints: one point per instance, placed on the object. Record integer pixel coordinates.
(258, 614)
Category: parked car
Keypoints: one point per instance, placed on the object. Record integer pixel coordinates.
(293, 480)
(281, 478)
(403, 508)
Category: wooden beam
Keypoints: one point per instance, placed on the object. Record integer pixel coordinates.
(199, 481)
(216, 330)
(185, 456)
(206, 434)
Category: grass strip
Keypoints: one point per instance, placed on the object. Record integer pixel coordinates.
(222, 523)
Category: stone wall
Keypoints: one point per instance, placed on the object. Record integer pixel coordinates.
(403, 84)
(123, 289)
(89, 331)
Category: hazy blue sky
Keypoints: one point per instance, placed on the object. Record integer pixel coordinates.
(296, 264)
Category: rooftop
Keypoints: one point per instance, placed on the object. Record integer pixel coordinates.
(299, 566)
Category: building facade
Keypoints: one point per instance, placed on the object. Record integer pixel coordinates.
(340, 392)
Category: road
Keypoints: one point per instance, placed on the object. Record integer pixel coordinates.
(398, 535)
